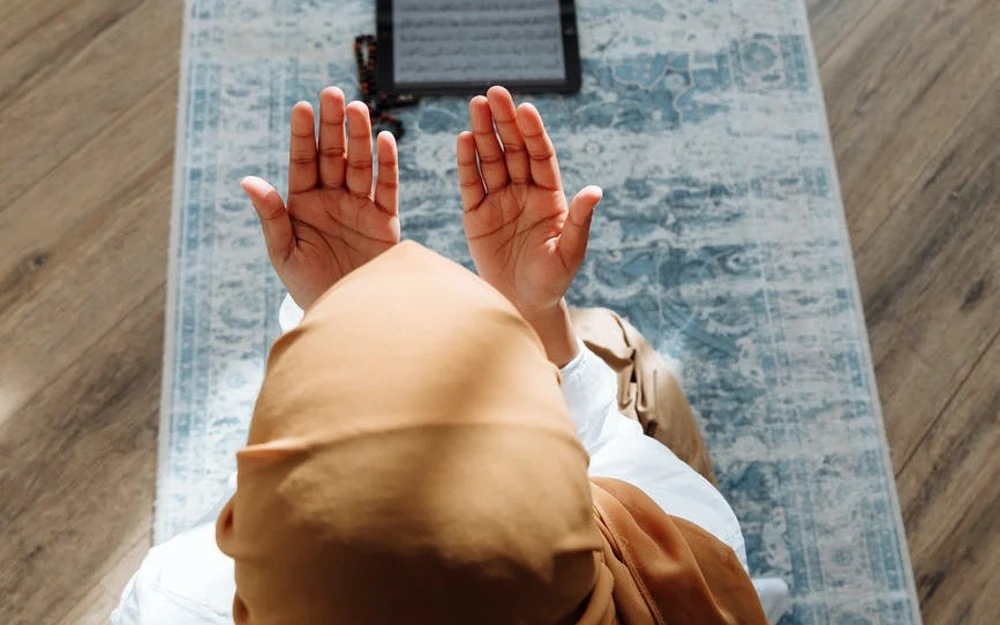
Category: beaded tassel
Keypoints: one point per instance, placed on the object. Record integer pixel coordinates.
(378, 102)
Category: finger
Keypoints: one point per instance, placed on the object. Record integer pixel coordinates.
(491, 160)
(470, 182)
(331, 138)
(302, 150)
(274, 219)
(541, 152)
(359, 149)
(576, 230)
(505, 115)
(387, 181)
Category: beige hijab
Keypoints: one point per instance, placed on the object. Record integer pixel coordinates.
(411, 461)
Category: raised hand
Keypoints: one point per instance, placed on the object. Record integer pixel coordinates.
(525, 239)
(333, 222)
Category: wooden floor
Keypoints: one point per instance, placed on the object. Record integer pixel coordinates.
(87, 109)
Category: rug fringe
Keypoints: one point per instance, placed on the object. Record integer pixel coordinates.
(173, 258)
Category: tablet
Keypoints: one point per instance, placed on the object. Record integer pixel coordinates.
(428, 47)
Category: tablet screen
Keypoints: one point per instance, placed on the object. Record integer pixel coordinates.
(450, 43)
(477, 40)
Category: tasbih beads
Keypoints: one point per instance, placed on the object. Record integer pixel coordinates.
(378, 102)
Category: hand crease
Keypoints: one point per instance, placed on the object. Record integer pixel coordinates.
(486, 235)
(542, 158)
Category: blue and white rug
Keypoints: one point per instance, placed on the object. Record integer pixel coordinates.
(721, 236)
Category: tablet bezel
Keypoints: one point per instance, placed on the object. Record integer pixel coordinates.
(385, 72)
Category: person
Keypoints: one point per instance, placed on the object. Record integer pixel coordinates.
(432, 446)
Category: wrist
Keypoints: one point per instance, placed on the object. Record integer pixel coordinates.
(555, 329)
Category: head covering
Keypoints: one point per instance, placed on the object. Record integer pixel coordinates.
(411, 461)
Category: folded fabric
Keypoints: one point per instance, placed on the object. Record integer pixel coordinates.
(648, 391)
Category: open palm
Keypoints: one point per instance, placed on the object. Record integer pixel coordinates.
(333, 222)
(525, 239)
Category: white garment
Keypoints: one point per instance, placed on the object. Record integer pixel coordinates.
(188, 580)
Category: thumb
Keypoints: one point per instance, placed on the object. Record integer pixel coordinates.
(274, 219)
(576, 230)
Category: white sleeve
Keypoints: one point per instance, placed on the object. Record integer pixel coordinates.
(619, 449)
(289, 315)
(184, 580)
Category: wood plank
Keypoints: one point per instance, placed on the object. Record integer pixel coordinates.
(17, 19)
(88, 511)
(93, 211)
(86, 94)
(930, 279)
(86, 391)
(951, 495)
(43, 35)
(81, 297)
(831, 21)
(925, 224)
(118, 574)
(93, 609)
(896, 89)
(77, 475)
